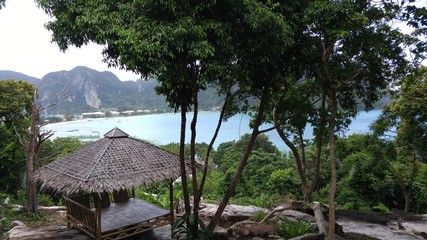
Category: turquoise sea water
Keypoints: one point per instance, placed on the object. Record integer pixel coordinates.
(162, 129)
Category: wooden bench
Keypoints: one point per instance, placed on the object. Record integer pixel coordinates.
(120, 219)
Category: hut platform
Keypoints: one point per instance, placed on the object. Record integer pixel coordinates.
(128, 213)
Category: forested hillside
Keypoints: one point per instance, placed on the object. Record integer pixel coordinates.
(91, 90)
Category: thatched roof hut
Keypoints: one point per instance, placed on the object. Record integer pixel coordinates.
(114, 162)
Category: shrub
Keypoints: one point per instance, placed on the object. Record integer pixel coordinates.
(289, 229)
(181, 229)
(258, 216)
(381, 208)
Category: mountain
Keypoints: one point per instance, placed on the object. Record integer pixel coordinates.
(90, 90)
(5, 74)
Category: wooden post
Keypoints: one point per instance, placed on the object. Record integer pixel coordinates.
(98, 215)
(67, 208)
(171, 208)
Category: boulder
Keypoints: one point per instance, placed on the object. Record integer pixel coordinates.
(251, 229)
(220, 233)
(17, 223)
(374, 230)
(45, 232)
(231, 214)
(295, 215)
(416, 227)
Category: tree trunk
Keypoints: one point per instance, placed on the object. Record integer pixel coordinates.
(209, 149)
(407, 201)
(332, 190)
(182, 164)
(408, 195)
(242, 163)
(194, 92)
(319, 144)
(31, 160)
(298, 161)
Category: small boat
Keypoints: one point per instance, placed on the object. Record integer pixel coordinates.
(73, 130)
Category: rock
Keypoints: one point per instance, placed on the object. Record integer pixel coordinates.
(297, 215)
(62, 214)
(45, 232)
(6, 202)
(51, 209)
(220, 233)
(17, 223)
(16, 207)
(231, 214)
(374, 231)
(418, 228)
(251, 229)
(310, 236)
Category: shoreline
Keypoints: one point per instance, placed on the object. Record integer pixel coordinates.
(113, 117)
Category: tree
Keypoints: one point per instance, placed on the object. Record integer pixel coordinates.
(16, 101)
(263, 39)
(32, 145)
(408, 114)
(15, 106)
(12, 161)
(358, 55)
(364, 172)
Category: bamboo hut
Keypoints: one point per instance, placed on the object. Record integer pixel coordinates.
(98, 181)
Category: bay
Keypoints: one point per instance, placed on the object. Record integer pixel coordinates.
(162, 129)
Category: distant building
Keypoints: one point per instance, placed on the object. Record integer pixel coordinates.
(115, 113)
(143, 111)
(130, 112)
(93, 115)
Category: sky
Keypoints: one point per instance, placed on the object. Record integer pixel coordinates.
(25, 45)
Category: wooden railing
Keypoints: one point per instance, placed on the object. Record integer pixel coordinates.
(81, 215)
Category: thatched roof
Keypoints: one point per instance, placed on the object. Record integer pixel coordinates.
(114, 162)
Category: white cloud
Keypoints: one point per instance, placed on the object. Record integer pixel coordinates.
(25, 45)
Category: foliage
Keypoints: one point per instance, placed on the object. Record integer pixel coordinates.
(258, 216)
(157, 194)
(181, 229)
(348, 198)
(199, 147)
(265, 159)
(12, 160)
(15, 104)
(410, 107)
(289, 229)
(59, 147)
(16, 98)
(10, 213)
(381, 208)
(365, 164)
(407, 113)
(212, 186)
(283, 181)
